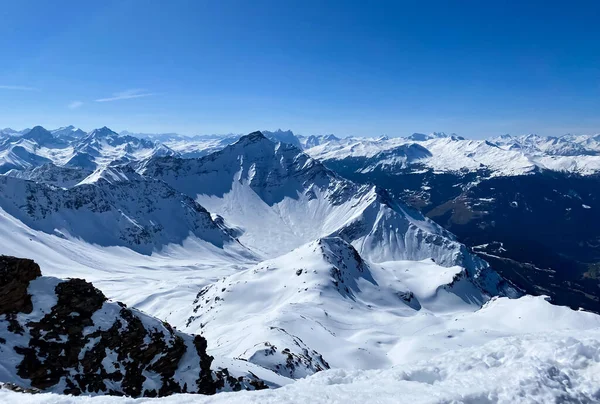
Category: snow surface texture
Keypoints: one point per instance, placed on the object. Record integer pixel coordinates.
(550, 368)
(297, 270)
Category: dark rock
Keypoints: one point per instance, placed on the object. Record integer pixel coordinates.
(15, 275)
(65, 346)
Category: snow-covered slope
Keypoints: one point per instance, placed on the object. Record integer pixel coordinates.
(314, 308)
(65, 336)
(19, 153)
(280, 198)
(141, 214)
(323, 306)
(554, 367)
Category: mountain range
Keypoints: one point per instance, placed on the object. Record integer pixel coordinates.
(290, 256)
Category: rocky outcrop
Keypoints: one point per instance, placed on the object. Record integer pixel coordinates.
(15, 275)
(71, 339)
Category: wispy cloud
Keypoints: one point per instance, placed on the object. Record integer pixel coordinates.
(18, 88)
(75, 104)
(126, 95)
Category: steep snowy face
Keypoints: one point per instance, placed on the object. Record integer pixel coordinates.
(140, 214)
(19, 154)
(271, 171)
(64, 336)
(280, 198)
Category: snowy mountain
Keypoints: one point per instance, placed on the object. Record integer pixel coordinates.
(321, 299)
(502, 156)
(437, 152)
(311, 141)
(281, 198)
(71, 147)
(202, 145)
(529, 194)
(118, 209)
(68, 132)
(65, 336)
(103, 146)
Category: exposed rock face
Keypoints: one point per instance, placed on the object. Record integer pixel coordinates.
(15, 275)
(72, 340)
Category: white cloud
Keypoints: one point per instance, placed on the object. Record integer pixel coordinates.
(18, 88)
(75, 104)
(126, 95)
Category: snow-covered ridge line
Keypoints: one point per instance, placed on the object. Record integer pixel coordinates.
(141, 214)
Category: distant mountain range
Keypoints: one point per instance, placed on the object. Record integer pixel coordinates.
(290, 255)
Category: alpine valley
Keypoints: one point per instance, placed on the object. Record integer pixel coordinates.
(313, 268)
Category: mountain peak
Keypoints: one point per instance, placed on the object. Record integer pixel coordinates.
(103, 132)
(253, 137)
(336, 250)
(39, 134)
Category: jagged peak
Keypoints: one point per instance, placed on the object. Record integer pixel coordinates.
(103, 131)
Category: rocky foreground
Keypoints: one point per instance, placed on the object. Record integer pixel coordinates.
(65, 336)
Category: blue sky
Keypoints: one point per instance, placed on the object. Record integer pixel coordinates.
(477, 68)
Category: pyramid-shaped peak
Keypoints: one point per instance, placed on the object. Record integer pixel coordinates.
(253, 137)
(38, 130)
(39, 134)
(104, 131)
